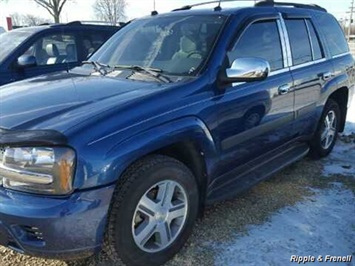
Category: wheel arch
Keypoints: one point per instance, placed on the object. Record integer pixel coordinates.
(187, 140)
(341, 96)
(190, 153)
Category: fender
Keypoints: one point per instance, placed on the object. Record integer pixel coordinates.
(120, 156)
(331, 87)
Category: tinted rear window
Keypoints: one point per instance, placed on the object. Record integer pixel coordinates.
(299, 40)
(334, 35)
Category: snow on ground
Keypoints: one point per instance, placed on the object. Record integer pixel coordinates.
(342, 158)
(323, 224)
(350, 127)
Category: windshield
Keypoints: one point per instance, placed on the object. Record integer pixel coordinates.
(174, 44)
(9, 41)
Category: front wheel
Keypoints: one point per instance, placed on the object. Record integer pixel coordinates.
(153, 212)
(327, 130)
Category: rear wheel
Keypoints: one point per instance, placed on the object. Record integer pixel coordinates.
(153, 212)
(327, 130)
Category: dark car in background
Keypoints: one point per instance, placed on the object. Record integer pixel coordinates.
(33, 51)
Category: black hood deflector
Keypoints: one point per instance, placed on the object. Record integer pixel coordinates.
(31, 137)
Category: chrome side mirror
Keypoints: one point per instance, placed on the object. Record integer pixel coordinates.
(248, 69)
(25, 61)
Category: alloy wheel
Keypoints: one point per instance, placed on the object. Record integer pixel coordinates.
(160, 216)
(329, 129)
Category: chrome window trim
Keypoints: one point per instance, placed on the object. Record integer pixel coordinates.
(308, 64)
(279, 71)
(340, 55)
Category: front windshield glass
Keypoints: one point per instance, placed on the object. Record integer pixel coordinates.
(10, 40)
(177, 45)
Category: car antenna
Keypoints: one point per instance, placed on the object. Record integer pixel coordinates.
(154, 12)
(218, 8)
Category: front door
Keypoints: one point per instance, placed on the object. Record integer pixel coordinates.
(257, 117)
(53, 52)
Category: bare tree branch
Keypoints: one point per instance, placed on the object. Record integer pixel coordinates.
(61, 6)
(16, 19)
(112, 11)
(27, 20)
(46, 7)
(54, 7)
(32, 20)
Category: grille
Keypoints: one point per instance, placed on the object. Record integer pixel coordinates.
(33, 233)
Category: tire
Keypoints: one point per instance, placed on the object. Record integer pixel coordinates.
(128, 219)
(321, 147)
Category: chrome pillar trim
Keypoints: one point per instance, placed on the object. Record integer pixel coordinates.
(283, 43)
(287, 41)
(309, 39)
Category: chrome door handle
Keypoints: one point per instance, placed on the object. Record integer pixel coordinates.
(284, 89)
(327, 75)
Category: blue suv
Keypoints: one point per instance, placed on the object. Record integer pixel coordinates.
(174, 112)
(34, 51)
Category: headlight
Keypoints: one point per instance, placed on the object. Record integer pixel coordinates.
(42, 170)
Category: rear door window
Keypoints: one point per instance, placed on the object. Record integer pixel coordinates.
(260, 39)
(92, 41)
(316, 47)
(300, 44)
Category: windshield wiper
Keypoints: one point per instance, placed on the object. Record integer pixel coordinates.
(153, 72)
(99, 67)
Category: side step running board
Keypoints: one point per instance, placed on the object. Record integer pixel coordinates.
(248, 175)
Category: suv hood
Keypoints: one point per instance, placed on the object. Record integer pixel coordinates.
(59, 101)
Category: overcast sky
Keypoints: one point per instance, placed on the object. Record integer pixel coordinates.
(82, 9)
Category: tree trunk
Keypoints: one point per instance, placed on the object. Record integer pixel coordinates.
(56, 17)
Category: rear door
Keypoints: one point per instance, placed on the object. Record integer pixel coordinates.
(310, 71)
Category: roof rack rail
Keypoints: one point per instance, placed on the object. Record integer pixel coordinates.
(188, 7)
(307, 6)
(92, 22)
(73, 23)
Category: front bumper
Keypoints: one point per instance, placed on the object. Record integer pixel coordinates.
(58, 228)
